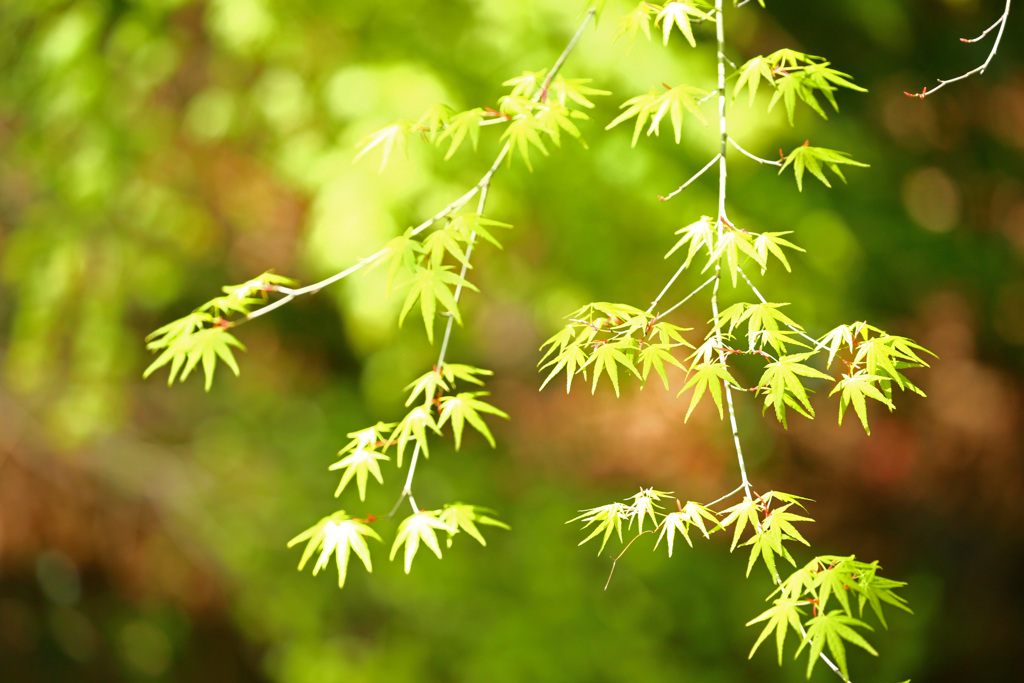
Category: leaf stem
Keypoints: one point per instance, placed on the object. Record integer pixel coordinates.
(753, 156)
(688, 297)
(615, 560)
(682, 187)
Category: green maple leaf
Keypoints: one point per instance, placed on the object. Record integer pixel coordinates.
(856, 389)
(784, 614)
(466, 407)
(608, 519)
(336, 535)
(680, 14)
(708, 377)
(772, 242)
(414, 427)
(607, 357)
(387, 138)
(832, 629)
(421, 527)
(813, 159)
(360, 464)
(740, 514)
(464, 517)
(656, 355)
(639, 20)
(781, 385)
(699, 234)
(434, 121)
(461, 125)
(431, 286)
(523, 133)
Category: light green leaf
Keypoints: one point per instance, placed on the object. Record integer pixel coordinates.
(359, 464)
(466, 407)
(336, 535)
(462, 517)
(608, 518)
(708, 377)
(812, 159)
(421, 527)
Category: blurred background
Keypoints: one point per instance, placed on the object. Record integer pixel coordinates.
(152, 151)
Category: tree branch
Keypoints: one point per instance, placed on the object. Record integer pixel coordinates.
(1001, 23)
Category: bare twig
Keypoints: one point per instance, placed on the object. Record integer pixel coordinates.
(753, 156)
(1001, 24)
(682, 187)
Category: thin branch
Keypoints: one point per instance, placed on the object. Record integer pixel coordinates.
(615, 560)
(565, 53)
(1001, 23)
(728, 495)
(753, 156)
(687, 298)
(682, 187)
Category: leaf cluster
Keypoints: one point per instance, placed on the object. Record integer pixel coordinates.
(434, 267)
(794, 76)
(535, 111)
(842, 583)
(607, 337)
(339, 535)
(202, 337)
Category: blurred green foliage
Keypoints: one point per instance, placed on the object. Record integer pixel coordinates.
(154, 150)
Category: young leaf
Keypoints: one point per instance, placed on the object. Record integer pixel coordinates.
(699, 234)
(674, 522)
(832, 628)
(434, 121)
(466, 407)
(387, 138)
(430, 286)
(784, 613)
(811, 159)
(856, 388)
(462, 517)
(772, 242)
(781, 380)
(337, 535)
(420, 527)
(740, 514)
(608, 519)
(680, 14)
(459, 126)
(359, 464)
(644, 504)
(414, 426)
(708, 377)
(639, 20)
(606, 356)
(656, 355)
(523, 133)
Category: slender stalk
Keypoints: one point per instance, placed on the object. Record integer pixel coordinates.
(753, 156)
(687, 298)
(696, 175)
(722, 220)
